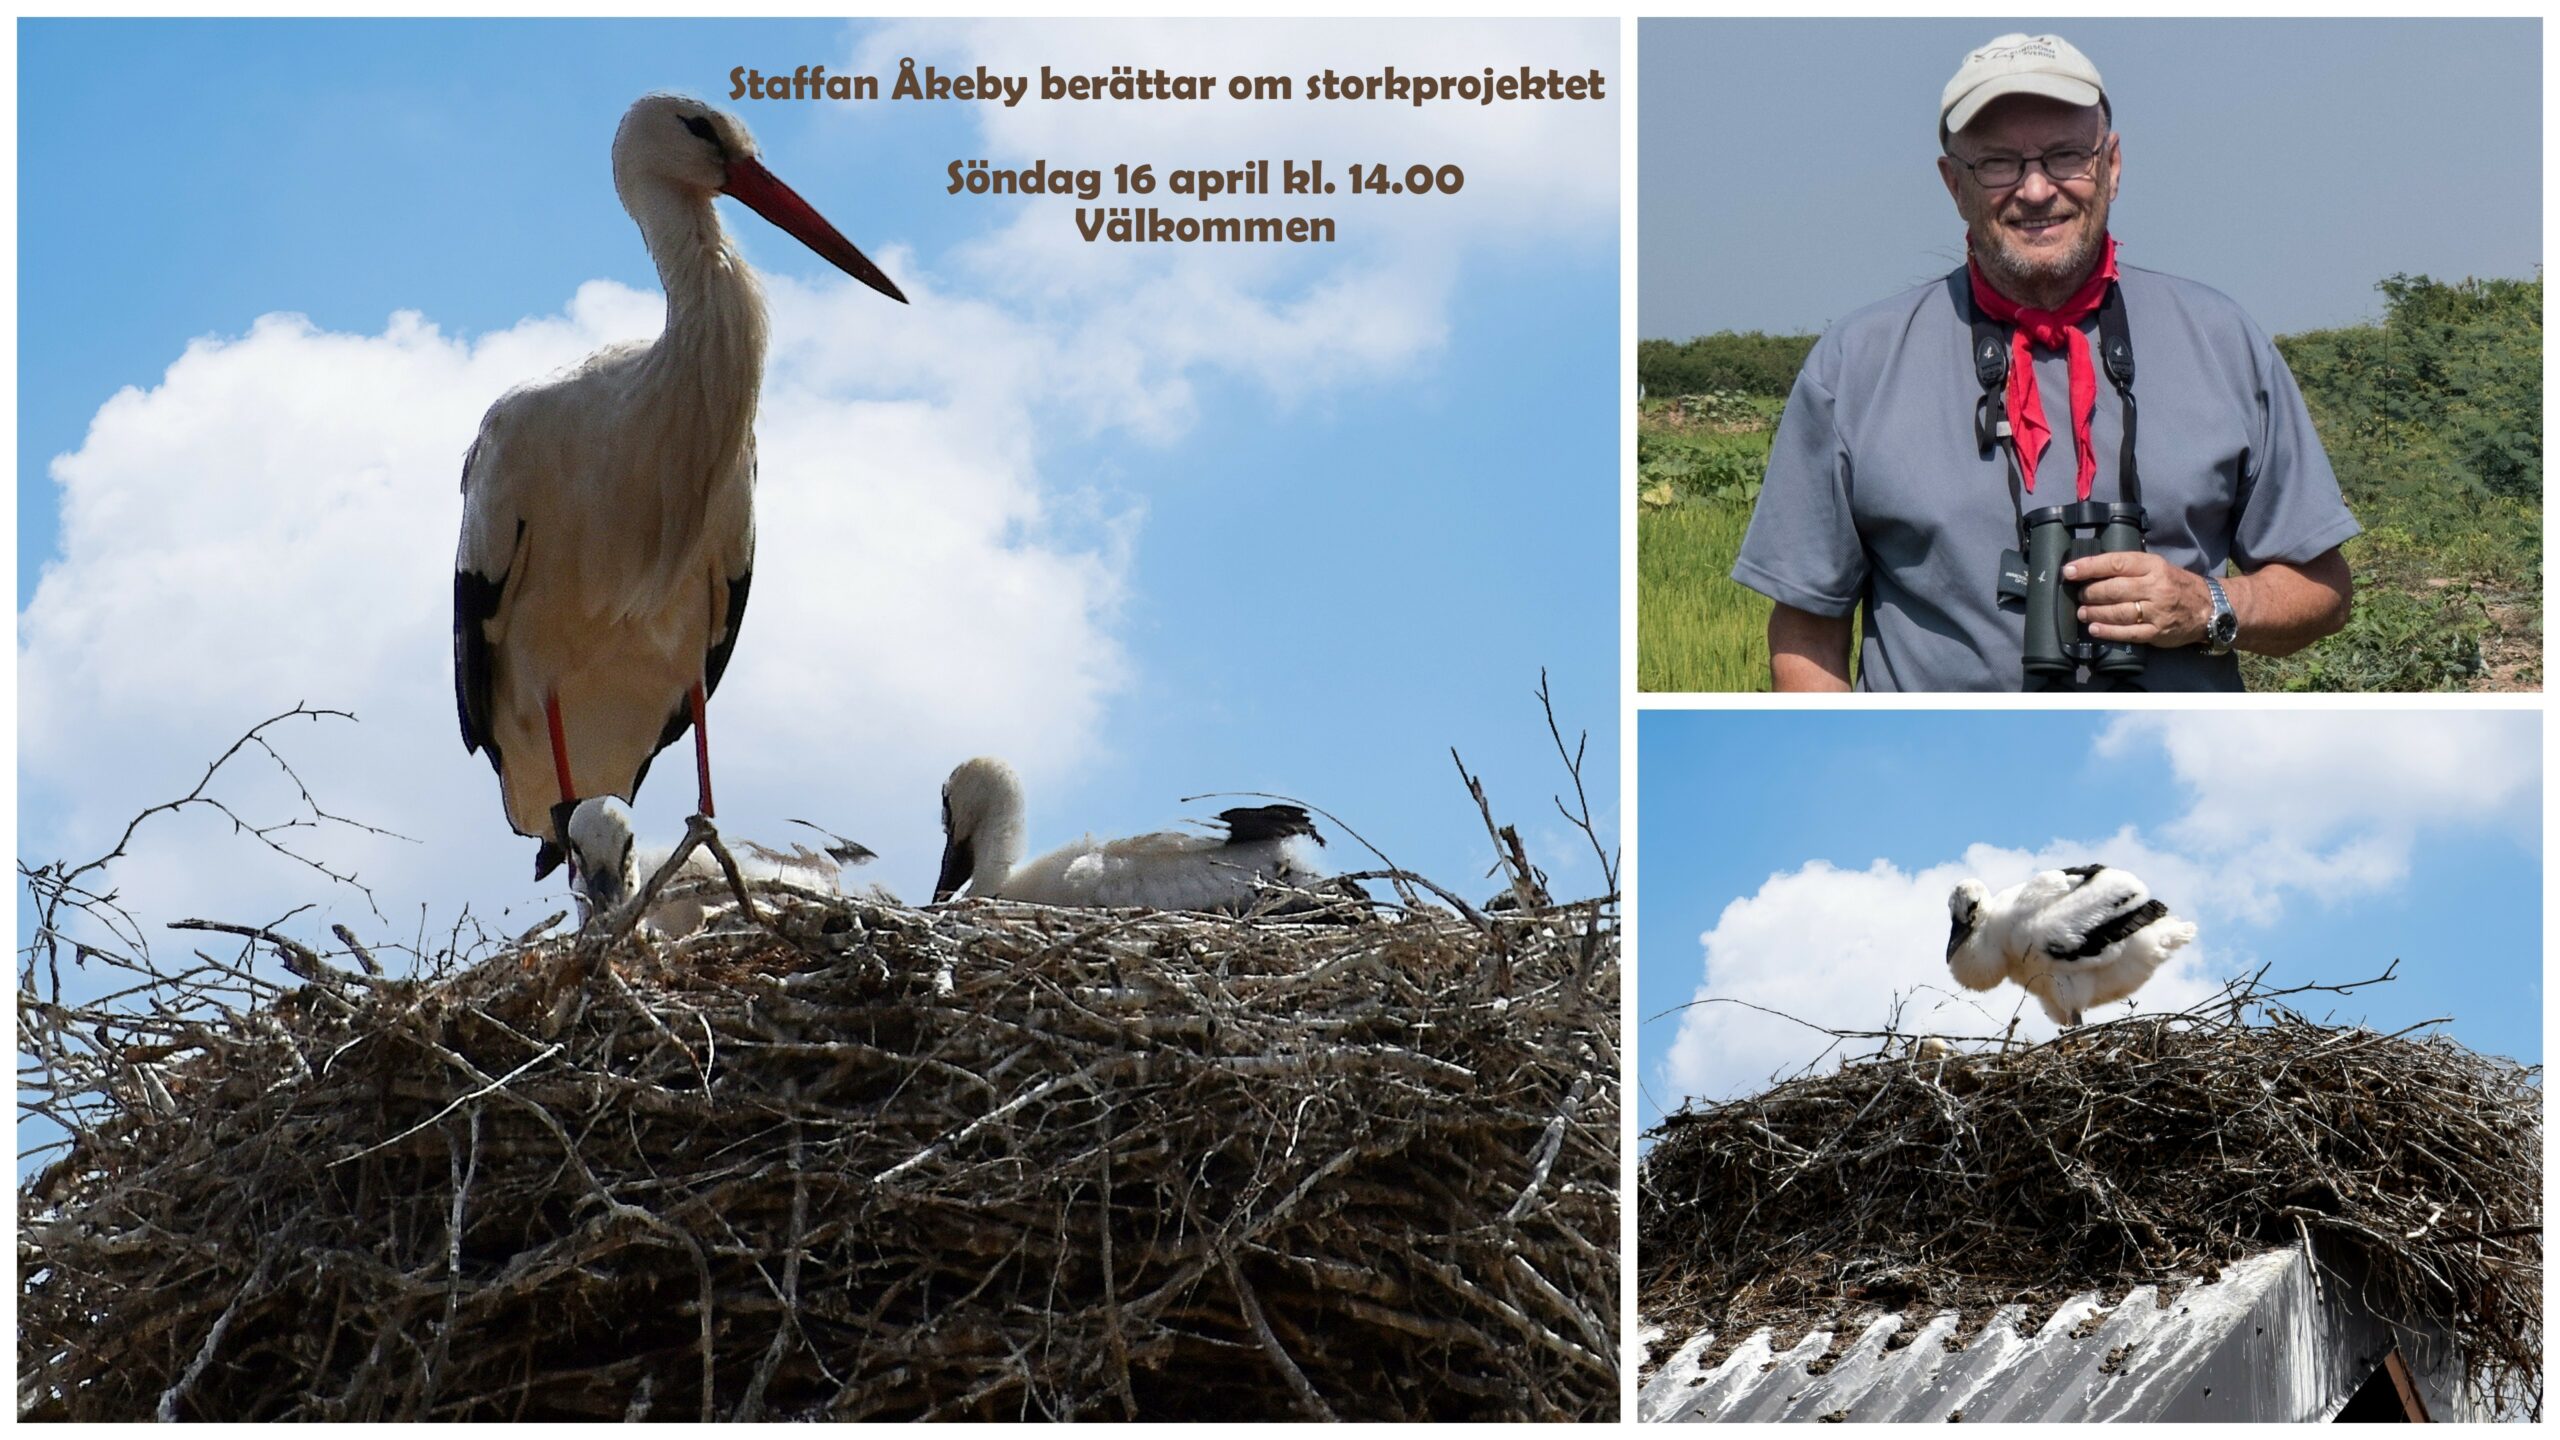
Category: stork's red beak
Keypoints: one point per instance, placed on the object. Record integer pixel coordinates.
(755, 187)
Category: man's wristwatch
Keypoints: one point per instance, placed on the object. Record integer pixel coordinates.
(2224, 627)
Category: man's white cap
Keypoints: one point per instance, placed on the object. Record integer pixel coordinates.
(2044, 65)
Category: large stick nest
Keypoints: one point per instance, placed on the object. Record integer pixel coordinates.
(854, 1161)
(2146, 1150)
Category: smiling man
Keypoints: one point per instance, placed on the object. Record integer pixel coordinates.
(1936, 441)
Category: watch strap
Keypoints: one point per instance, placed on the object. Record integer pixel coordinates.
(2224, 625)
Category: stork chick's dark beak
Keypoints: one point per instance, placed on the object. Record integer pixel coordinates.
(958, 864)
(1956, 935)
(755, 187)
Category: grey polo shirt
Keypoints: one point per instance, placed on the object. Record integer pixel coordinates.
(1877, 494)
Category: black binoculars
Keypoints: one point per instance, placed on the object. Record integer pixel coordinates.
(2056, 647)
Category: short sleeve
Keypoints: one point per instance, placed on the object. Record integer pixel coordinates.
(2290, 509)
(1802, 548)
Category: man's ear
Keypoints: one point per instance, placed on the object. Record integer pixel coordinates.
(1948, 172)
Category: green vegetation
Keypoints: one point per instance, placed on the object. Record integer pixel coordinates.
(1699, 460)
(2433, 420)
(1696, 629)
(1745, 364)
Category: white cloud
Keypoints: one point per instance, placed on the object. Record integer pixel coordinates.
(272, 522)
(2321, 805)
(1844, 949)
(2302, 778)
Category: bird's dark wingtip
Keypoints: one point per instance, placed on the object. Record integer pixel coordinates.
(1250, 823)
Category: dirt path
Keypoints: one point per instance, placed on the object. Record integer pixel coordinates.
(2511, 654)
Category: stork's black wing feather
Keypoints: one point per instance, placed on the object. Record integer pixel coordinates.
(714, 661)
(2110, 932)
(717, 661)
(475, 601)
(1267, 822)
(847, 852)
(2086, 873)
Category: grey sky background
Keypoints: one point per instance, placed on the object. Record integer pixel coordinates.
(1787, 173)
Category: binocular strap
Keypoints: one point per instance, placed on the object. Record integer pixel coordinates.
(1990, 416)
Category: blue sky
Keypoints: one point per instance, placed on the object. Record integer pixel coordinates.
(2322, 844)
(2290, 164)
(1149, 521)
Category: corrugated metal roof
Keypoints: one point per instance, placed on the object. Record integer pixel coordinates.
(2271, 1338)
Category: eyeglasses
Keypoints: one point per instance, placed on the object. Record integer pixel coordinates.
(2061, 164)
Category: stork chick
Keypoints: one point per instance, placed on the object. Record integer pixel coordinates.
(2074, 938)
(605, 867)
(982, 820)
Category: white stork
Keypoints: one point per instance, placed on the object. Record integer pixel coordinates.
(608, 526)
(982, 841)
(2074, 938)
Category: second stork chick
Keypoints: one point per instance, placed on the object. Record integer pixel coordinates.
(982, 823)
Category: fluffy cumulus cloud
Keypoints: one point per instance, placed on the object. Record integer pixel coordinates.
(267, 525)
(2272, 776)
(2313, 805)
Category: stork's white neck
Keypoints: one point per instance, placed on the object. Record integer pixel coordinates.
(708, 364)
(995, 847)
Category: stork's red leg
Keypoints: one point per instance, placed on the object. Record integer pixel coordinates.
(701, 749)
(559, 747)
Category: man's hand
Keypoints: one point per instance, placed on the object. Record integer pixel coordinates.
(2138, 596)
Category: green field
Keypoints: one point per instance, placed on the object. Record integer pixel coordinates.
(1698, 464)
(2433, 420)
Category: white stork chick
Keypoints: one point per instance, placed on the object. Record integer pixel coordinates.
(606, 867)
(982, 821)
(2075, 938)
(608, 529)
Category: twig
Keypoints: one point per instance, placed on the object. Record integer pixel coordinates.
(1526, 890)
(1582, 800)
(1308, 1399)
(356, 948)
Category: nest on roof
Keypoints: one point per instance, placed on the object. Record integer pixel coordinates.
(850, 1160)
(2145, 1150)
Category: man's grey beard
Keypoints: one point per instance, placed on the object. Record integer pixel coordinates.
(2030, 281)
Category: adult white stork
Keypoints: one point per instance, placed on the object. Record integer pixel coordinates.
(608, 525)
(2074, 938)
(982, 819)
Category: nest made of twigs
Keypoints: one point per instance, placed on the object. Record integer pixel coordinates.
(853, 1160)
(2146, 1150)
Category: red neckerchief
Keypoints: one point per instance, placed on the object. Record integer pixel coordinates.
(2055, 329)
